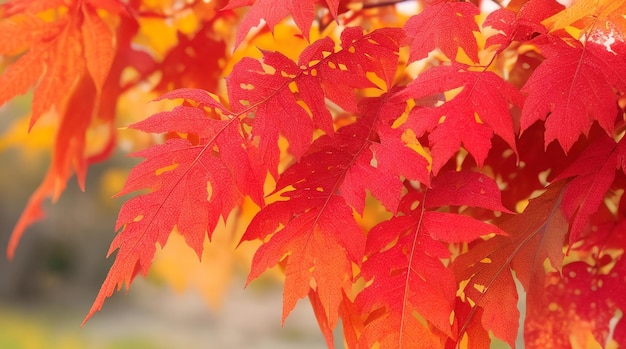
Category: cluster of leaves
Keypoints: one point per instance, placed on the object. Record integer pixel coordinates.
(419, 162)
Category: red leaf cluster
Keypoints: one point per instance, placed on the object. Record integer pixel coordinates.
(446, 123)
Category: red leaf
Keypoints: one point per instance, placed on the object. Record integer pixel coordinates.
(470, 119)
(536, 234)
(318, 239)
(574, 85)
(316, 221)
(404, 259)
(195, 62)
(592, 175)
(380, 166)
(343, 71)
(290, 101)
(314, 231)
(522, 26)
(465, 189)
(273, 11)
(447, 26)
(276, 108)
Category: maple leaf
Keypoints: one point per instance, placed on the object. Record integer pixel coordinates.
(393, 158)
(536, 234)
(592, 174)
(272, 12)
(318, 240)
(58, 52)
(275, 106)
(470, 118)
(375, 52)
(519, 26)
(447, 26)
(290, 100)
(585, 297)
(67, 158)
(66, 57)
(191, 186)
(575, 86)
(601, 16)
(316, 222)
(404, 259)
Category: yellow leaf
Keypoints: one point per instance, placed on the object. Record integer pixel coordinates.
(587, 15)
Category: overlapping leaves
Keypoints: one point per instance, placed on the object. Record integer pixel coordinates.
(220, 162)
(442, 270)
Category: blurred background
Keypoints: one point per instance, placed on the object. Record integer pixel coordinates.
(47, 290)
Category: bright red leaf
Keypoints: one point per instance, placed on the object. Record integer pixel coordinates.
(448, 26)
(572, 88)
(479, 110)
(291, 100)
(404, 260)
(521, 26)
(592, 176)
(313, 232)
(316, 220)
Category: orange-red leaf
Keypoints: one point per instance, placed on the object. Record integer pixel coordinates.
(98, 44)
(318, 239)
(536, 234)
(404, 260)
(67, 159)
(21, 75)
(191, 187)
(58, 52)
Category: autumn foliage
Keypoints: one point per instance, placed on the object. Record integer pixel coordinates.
(415, 167)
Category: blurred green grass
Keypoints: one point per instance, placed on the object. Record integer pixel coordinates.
(19, 330)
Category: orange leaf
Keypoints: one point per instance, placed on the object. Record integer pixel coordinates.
(98, 44)
(596, 14)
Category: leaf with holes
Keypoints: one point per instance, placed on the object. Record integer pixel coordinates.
(470, 118)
